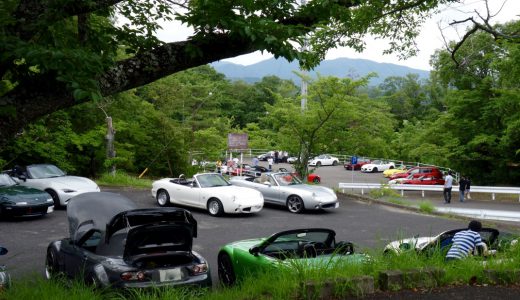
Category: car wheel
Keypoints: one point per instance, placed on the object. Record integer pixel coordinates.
(51, 264)
(226, 274)
(55, 198)
(391, 167)
(318, 164)
(215, 207)
(334, 163)
(316, 180)
(374, 170)
(295, 204)
(163, 198)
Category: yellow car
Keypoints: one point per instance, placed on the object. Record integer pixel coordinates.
(390, 172)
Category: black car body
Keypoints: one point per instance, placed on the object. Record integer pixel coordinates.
(18, 200)
(113, 243)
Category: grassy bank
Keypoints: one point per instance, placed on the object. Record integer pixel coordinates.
(285, 283)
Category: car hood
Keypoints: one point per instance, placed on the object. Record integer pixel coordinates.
(417, 243)
(24, 193)
(243, 192)
(73, 182)
(157, 238)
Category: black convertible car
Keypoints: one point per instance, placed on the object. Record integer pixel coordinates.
(113, 243)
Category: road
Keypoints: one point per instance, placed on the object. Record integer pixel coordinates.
(367, 225)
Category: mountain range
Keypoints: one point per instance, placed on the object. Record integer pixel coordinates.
(339, 67)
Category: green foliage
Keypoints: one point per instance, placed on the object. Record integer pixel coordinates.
(426, 207)
(121, 178)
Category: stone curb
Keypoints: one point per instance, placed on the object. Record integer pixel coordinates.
(392, 280)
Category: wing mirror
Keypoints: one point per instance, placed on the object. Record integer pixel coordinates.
(255, 250)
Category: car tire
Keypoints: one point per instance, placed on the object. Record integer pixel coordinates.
(374, 170)
(335, 163)
(318, 164)
(391, 167)
(226, 273)
(163, 198)
(55, 198)
(215, 207)
(295, 204)
(52, 268)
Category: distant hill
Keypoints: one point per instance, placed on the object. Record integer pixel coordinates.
(339, 67)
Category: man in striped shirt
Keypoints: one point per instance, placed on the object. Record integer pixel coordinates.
(466, 241)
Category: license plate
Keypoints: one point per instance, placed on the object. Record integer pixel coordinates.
(50, 209)
(170, 275)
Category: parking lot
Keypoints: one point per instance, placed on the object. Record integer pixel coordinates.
(368, 226)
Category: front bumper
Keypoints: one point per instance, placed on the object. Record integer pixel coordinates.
(28, 210)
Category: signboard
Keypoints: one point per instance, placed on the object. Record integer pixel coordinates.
(237, 141)
(353, 160)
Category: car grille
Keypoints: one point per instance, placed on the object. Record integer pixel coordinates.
(328, 205)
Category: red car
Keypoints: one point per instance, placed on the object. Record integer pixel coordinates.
(417, 172)
(424, 180)
(358, 165)
(311, 178)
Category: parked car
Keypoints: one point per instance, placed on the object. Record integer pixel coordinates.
(256, 171)
(494, 240)
(265, 156)
(292, 159)
(209, 191)
(5, 278)
(417, 172)
(377, 166)
(283, 188)
(310, 246)
(18, 200)
(311, 178)
(53, 180)
(324, 160)
(398, 169)
(113, 243)
(357, 166)
(424, 180)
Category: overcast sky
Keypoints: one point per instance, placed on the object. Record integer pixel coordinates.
(429, 40)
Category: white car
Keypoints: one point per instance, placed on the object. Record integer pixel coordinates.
(324, 160)
(53, 180)
(209, 191)
(377, 166)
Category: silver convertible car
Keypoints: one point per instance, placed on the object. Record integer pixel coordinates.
(286, 189)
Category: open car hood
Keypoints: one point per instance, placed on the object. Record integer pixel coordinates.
(159, 238)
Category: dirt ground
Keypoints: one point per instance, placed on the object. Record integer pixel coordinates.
(479, 292)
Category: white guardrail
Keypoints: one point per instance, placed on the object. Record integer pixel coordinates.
(493, 190)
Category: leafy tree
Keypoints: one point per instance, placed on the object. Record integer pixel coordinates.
(57, 54)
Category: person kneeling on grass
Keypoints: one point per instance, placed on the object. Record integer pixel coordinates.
(466, 241)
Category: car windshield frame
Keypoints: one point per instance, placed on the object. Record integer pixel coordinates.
(44, 171)
(291, 238)
(6, 180)
(286, 179)
(211, 180)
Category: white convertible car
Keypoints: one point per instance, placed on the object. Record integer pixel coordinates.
(377, 166)
(324, 160)
(208, 191)
(53, 180)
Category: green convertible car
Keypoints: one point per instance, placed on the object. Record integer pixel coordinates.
(312, 246)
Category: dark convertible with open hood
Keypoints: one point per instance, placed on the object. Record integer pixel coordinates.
(114, 243)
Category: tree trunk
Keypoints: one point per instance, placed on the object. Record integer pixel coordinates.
(111, 153)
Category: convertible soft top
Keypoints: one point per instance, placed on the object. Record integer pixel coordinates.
(110, 212)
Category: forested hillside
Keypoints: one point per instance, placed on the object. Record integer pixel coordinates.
(466, 117)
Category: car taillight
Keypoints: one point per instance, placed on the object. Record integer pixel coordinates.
(198, 269)
(133, 276)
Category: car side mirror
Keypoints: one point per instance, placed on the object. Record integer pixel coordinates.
(22, 177)
(255, 250)
(3, 251)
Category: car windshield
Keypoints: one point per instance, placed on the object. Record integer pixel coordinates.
(286, 179)
(211, 180)
(44, 171)
(292, 240)
(6, 180)
(377, 162)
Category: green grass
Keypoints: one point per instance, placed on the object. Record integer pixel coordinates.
(426, 207)
(384, 191)
(123, 179)
(399, 201)
(284, 283)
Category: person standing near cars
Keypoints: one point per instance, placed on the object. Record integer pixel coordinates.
(466, 241)
(255, 161)
(468, 186)
(448, 183)
(270, 162)
(462, 188)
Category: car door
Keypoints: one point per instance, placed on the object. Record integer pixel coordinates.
(79, 257)
(189, 193)
(270, 190)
